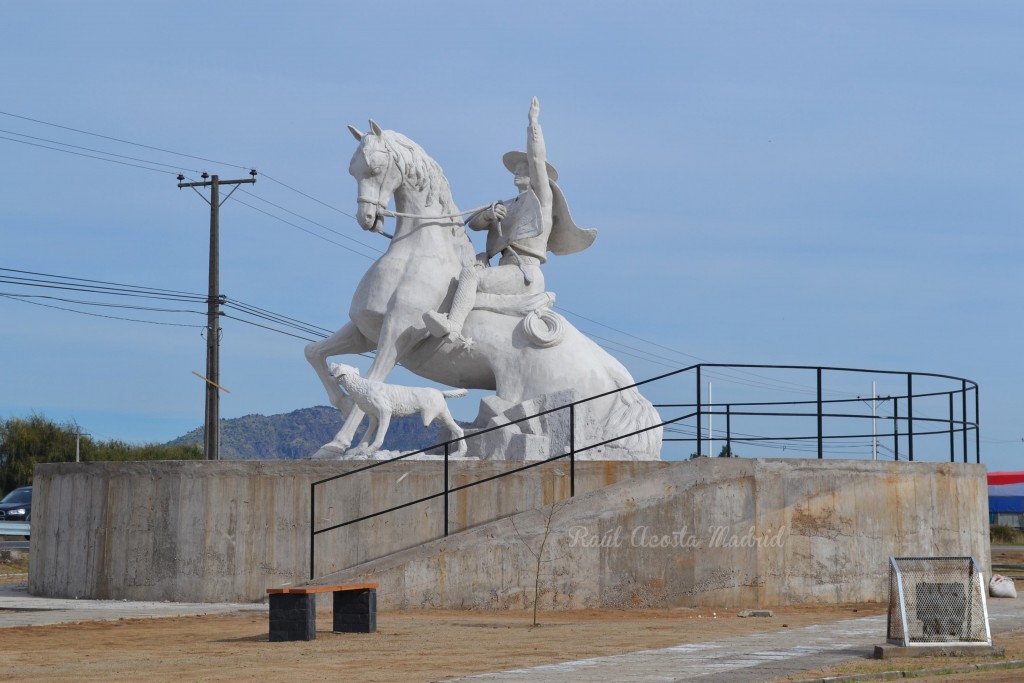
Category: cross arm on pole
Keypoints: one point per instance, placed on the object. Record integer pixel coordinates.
(207, 183)
(236, 183)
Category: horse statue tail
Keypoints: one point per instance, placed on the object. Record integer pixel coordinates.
(633, 412)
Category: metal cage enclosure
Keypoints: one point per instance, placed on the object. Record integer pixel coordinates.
(937, 601)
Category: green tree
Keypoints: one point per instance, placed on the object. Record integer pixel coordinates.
(727, 452)
(24, 443)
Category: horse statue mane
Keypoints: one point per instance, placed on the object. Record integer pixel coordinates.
(419, 169)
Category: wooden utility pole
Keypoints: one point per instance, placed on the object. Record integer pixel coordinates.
(211, 428)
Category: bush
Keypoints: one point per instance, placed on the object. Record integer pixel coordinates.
(1003, 534)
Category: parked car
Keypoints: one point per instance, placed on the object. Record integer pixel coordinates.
(16, 506)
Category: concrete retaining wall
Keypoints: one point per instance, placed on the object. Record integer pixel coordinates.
(226, 531)
(712, 532)
(722, 532)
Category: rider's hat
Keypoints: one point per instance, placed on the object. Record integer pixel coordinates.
(513, 159)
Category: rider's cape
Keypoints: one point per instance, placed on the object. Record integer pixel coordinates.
(525, 220)
(566, 237)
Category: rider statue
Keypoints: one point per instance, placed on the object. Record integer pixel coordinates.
(522, 230)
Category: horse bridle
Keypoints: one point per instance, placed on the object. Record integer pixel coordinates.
(383, 210)
(381, 206)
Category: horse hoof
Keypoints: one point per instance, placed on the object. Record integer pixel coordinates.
(329, 452)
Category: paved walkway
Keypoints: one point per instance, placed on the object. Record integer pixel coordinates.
(18, 608)
(742, 659)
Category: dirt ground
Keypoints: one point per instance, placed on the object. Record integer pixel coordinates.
(1009, 555)
(409, 646)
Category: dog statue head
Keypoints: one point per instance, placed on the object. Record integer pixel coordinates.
(339, 370)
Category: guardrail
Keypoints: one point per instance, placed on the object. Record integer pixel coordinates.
(14, 528)
(936, 410)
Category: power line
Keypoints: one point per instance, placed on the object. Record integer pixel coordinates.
(769, 382)
(267, 327)
(278, 319)
(97, 303)
(300, 192)
(307, 231)
(95, 286)
(310, 220)
(98, 315)
(126, 142)
(98, 282)
(181, 154)
(106, 288)
(180, 169)
(99, 290)
(98, 151)
(88, 156)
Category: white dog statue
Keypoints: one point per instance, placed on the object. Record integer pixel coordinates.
(381, 401)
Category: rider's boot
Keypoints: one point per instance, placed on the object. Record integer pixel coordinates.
(437, 324)
(441, 325)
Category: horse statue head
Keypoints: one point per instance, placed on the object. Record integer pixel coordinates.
(387, 164)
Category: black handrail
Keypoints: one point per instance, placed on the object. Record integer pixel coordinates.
(699, 411)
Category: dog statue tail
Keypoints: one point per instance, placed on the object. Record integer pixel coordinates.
(455, 393)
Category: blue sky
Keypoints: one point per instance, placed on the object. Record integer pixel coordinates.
(794, 182)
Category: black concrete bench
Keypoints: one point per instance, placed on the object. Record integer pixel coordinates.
(293, 610)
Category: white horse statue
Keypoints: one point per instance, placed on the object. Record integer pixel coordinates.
(419, 273)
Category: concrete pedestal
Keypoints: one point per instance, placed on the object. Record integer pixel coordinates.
(355, 611)
(292, 617)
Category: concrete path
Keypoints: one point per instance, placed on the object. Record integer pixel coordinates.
(742, 659)
(18, 608)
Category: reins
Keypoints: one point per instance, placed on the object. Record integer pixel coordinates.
(384, 211)
(398, 214)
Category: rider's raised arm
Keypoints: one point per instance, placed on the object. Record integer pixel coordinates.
(537, 156)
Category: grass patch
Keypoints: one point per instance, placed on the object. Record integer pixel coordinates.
(1003, 534)
(18, 564)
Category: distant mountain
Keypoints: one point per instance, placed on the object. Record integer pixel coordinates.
(300, 433)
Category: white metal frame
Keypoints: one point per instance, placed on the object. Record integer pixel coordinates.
(980, 580)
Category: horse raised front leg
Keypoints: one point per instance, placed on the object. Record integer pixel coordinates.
(347, 340)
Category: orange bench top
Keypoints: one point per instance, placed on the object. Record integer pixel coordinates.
(305, 590)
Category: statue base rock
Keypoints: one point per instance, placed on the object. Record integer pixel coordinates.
(548, 435)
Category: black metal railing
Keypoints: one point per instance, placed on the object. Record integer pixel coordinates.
(902, 425)
(907, 426)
